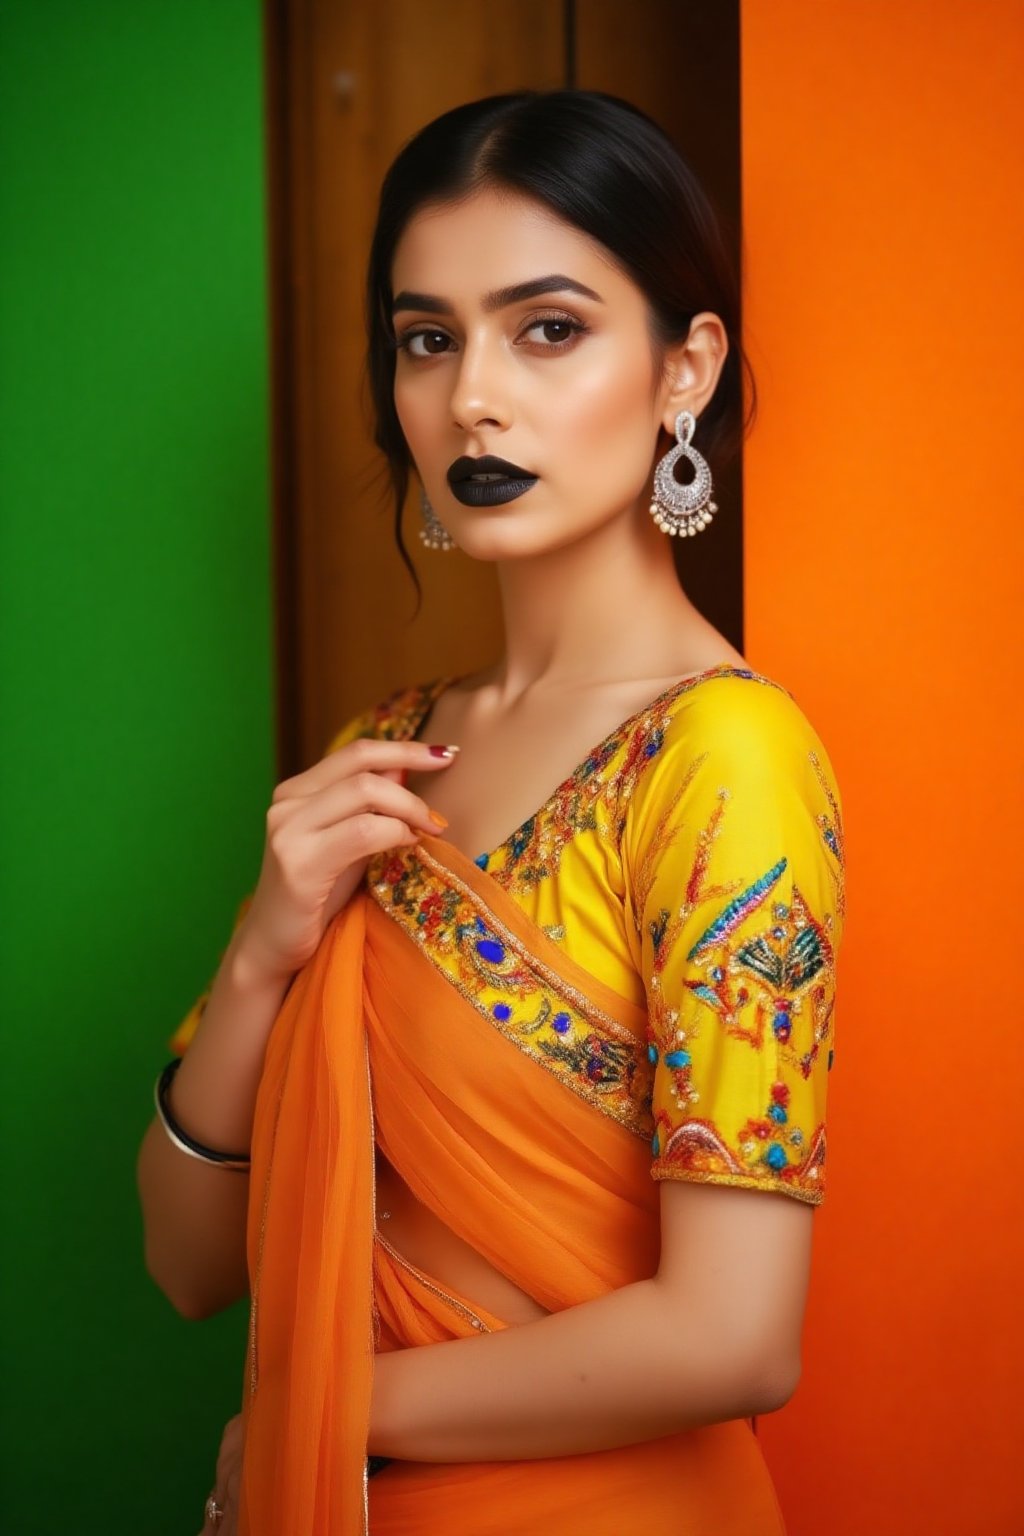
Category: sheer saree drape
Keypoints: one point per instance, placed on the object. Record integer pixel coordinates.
(511, 1091)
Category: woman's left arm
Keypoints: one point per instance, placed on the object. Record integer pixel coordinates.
(713, 1335)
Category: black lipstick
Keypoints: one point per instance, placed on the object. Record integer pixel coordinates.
(488, 481)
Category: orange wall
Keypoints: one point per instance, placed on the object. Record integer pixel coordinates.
(883, 233)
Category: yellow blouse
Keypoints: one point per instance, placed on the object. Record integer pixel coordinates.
(692, 862)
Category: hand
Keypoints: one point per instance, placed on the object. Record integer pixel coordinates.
(323, 826)
(228, 1484)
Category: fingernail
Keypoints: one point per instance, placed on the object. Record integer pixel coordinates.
(438, 819)
(443, 751)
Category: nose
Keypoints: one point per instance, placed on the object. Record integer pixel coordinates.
(480, 395)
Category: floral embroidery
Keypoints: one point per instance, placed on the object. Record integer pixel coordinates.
(400, 715)
(773, 987)
(534, 1008)
(596, 795)
(593, 798)
(764, 987)
(696, 1150)
(831, 824)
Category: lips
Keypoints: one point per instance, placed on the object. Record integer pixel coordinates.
(488, 481)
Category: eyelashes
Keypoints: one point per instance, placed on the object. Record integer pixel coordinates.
(405, 342)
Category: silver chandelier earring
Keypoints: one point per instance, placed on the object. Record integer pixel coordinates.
(676, 508)
(433, 533)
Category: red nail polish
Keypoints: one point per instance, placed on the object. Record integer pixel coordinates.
(443, 751)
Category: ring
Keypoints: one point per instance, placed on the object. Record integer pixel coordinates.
(214, 1511)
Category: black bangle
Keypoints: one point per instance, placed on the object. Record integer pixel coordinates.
(181, 1139)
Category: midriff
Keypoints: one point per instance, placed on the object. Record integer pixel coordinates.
(426, 1242)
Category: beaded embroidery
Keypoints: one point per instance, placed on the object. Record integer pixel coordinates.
(774, 988)
(396, 718)
(596, 794)
(598, 1058)
(831, 824)
(593, 798)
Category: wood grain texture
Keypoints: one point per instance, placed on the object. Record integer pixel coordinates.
(359, 79)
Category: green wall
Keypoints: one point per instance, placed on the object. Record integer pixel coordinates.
(135, 701)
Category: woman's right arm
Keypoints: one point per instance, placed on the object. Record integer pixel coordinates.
(323, 826)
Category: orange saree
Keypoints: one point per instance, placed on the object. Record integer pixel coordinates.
(511, 1089)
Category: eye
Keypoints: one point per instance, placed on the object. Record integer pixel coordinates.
(558, 332)
(430, 340)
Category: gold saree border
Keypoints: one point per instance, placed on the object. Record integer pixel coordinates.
(574, 1026)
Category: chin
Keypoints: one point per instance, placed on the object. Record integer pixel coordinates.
(492, 543)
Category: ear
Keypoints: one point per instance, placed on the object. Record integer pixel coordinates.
(692, 369)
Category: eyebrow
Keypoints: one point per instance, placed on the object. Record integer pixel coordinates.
(501, 298)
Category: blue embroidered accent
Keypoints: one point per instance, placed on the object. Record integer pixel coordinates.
(594, 1055)
(652, 1053)
(521, 838)
(677, 1059)
(775, 1156)
(782, 1026)
(804, 959)
(706, 994)
(791, 970)
(483, 860)
(598, 759)
(738, 909)
(658, 928)
(654, 743)
(655, 1144)
(778, 1113)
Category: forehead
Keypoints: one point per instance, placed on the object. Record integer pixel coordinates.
(494, 239)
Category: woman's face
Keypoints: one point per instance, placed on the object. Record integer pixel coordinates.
(519, 339)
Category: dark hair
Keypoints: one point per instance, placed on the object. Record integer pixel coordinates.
(604, 167)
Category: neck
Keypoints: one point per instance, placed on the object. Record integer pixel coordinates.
(605, 607)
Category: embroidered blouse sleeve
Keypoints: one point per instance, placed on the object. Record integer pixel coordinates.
(362, 724)
(733, 848)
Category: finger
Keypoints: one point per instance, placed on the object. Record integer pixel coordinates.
(367, 754)
(211, 1527)
(359, 838)
(358, 795)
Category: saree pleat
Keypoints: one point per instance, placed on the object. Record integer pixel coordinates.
(309, 1364)
(382, 1038)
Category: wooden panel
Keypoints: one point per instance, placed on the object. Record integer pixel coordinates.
(679, 61)
(348, 84)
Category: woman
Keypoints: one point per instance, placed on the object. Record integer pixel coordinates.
(536, 1116)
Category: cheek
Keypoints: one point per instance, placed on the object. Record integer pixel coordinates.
(412, 417)
(606, 405)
